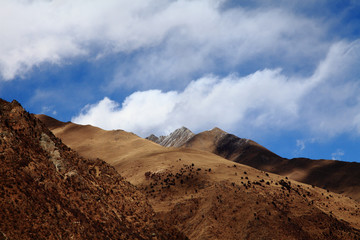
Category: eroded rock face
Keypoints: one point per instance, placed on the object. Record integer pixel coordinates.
(47, 191)
(175, 139)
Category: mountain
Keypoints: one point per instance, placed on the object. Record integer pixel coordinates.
(176, 139)
(209, 197)
(47, 191)
(337, 176)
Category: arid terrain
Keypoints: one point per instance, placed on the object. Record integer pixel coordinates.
(209, 197)
(47, 191)
(337, 176)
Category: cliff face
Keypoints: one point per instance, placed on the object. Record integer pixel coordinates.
(176, 139)
(48, 191)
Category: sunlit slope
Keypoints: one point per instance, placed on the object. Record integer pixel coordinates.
(209, 197)
(338, 176)
(113, 146)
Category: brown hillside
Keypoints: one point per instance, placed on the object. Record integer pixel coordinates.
(51, 122)
(47, 191)
(209, 197)
(337, 176)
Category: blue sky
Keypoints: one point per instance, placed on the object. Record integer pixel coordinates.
(283, 73)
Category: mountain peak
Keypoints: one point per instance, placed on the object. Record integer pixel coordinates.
(153, 138)
(175, 139)
(217, 130)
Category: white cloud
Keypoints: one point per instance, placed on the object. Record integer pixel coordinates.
(48, 110)
(337, 155)
(172, 39)
(206, 39)
(333, 102)
(326, 103)
(263, 97)
(301, 145)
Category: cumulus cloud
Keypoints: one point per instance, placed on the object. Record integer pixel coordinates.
(263, 97)
(170, 39)
(326, 103)
(203, 102)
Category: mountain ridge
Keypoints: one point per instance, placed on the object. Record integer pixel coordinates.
(338, 176)
(209, 197)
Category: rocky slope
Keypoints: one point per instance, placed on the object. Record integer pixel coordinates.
(209, 197)
(47, 191)
(176, 139)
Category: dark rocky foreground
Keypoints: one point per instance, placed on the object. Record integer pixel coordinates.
(47, 191)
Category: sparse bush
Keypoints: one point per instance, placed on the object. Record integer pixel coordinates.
(148, 175)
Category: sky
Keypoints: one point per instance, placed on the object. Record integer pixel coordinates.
(285, 74)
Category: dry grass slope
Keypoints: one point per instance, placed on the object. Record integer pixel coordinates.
(209, 197)
(337, 176)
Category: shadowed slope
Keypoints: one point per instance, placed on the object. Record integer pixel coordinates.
(209, 197)
(47, 191)
(337, 176)
(51, 123)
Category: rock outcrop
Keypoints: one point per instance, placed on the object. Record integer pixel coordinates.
(175, 139)
(47, 191)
